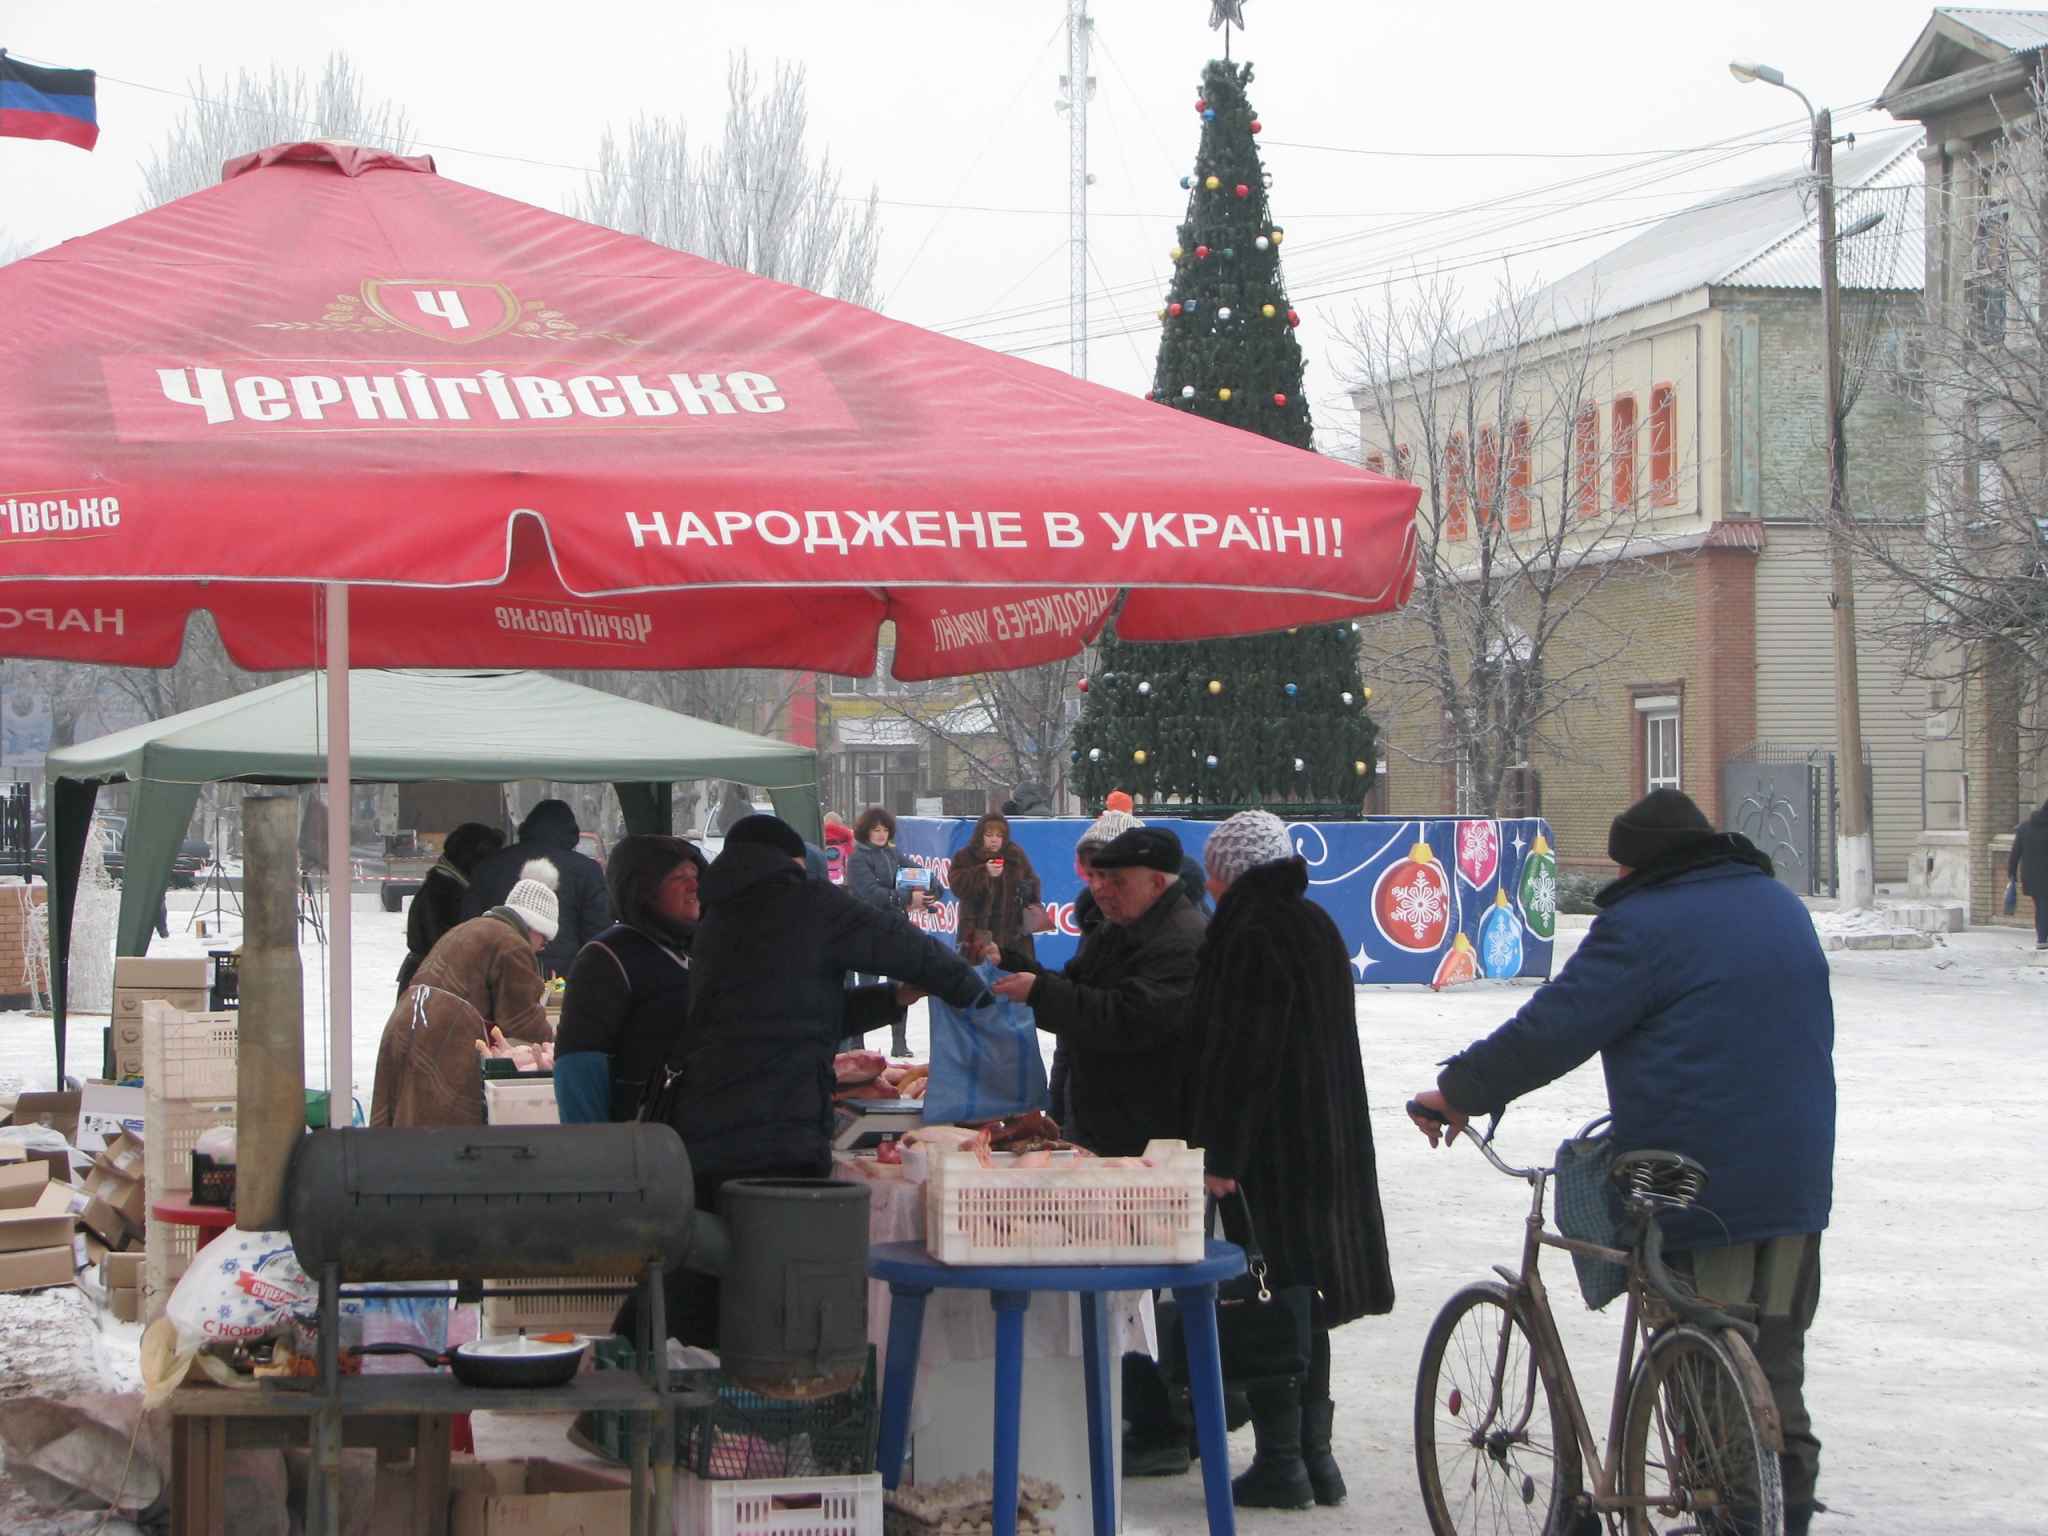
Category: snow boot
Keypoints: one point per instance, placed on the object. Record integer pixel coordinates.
(1323, 1475)
(1277, 1477)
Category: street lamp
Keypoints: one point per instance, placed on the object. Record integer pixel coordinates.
(1855, 872)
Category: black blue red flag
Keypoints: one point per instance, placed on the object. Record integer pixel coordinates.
(38, 103)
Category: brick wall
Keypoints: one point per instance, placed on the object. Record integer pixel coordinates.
(1681, 624)
(14, 925)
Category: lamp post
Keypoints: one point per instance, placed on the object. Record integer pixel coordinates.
(1856, 881)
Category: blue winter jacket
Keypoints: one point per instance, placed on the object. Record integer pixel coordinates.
(1707, 998)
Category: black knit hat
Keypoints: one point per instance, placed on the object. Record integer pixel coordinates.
(1141, 848)
(770, 831)
(1662, 821)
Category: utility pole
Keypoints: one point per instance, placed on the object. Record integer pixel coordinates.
(1855, 873)
(1078, 85)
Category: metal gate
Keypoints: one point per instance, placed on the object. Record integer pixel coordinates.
(1783, 799)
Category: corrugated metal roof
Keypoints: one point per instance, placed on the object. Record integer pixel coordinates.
(1890, 258)
(2021, 31)
(1750, 237)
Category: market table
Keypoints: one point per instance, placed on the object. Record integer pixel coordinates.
(209, 1219)
(912, 1276)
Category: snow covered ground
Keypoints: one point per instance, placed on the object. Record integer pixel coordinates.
(1928, 1384)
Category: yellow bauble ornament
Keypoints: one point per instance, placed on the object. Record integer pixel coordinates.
(1212, 183)
(1215, 685)
(1176, 253)
(1367, 695)
(1268, 311)
(1359, 767)
(1138, 756)
(1223, 394)
(1279, 235)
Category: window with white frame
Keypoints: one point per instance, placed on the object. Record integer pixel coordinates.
(1661, 746)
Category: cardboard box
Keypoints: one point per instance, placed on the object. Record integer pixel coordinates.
(123, 1154)
(121, 1191)
(535, 1498)
(122, 1271)
(126, 1305)
(145, 972)
(34, 1213)
(106, 1222)
(59, 1111)
(105, 1110)
(57, 1159)
(34, 1269)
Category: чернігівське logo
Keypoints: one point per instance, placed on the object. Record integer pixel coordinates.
(455, 310)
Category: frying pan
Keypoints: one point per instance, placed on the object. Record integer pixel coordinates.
(512, 1363)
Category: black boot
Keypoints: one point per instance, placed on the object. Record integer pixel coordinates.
(1277, 1477)
(1323, 1475)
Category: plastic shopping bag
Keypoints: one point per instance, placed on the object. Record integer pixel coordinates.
(2012, 897)
(985, 1060)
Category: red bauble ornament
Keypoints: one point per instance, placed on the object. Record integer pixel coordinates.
(1201, 105)
(1459, 964)
(1081, 685)
(1201, 253)
(1173, 309)
(1255, 125)
(1280, 400)
(1243, 190)
(1293, 318)
(1412, 903)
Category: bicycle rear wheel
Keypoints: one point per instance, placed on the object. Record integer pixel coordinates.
(1692, 1443)
(1491, 1461)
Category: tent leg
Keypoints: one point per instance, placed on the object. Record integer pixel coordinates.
(341, 1048)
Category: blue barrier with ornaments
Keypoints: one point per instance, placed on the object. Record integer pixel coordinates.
(1435, 900)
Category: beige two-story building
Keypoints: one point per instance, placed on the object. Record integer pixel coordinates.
(1657, 421)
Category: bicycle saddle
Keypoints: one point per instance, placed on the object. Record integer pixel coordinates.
(1659, 1178)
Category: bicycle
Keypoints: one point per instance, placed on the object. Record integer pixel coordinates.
(1502, 1441)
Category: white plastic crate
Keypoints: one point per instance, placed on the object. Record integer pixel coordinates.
(779, 1506)
(583, 1312)
(171, 1127)
(188, 1055)
(167, 1253)
(1078, 1213)
(521, 1101)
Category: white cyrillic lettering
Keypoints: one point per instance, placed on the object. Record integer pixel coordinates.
(1237, 531)
(1063, 530)
(443, 304)
(690, 526)
(312, 393)
(782, 520)
(583, 389)
(1120, 531)
(1006, 530)
(729, 524)
(821, 531)
(961, 527)
(110, 514)
(924, 529)
(871, 526)
(262, 398)
(202, 387)
(500, 397)
(110, 621)
(640, 530)
(1283, 531)
(374, 399)
(417, 392)
(700, 394)
(450, 392)
(1159, 532)
(1199, 525)
(541, 399)
(755, 392)
(643, 401)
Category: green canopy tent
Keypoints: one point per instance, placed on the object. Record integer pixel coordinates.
(407, 727)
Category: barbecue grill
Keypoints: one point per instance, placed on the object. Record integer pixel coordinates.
(481, 1203)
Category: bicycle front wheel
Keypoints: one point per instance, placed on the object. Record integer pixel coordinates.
(1692, 1444)
(1493, 1445)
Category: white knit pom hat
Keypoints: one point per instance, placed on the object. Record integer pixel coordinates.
(1245, 841)
(1108, 827)
(533, 898)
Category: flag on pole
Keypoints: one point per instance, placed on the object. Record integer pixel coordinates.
(38, 103)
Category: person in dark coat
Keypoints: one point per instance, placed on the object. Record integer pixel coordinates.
(1277, 1102)
(749, 1084)
(2027, 864)
(1703, 988)
(996, 887)
(871, 878)
(437, 904)
(549, 832)
(629, 990)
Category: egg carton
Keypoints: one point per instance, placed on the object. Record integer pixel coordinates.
(965, 1506)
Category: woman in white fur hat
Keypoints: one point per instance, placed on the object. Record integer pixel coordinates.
(482, 973)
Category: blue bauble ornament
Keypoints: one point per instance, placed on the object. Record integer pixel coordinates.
(1208, 114)
(1290, 690)
(1500, 940)
(1187, 182)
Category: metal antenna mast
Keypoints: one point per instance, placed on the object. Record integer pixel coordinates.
(1077, 85)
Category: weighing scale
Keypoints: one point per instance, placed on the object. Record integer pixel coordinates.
(860, 1125)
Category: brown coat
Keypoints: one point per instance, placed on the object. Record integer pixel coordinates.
(482, 972)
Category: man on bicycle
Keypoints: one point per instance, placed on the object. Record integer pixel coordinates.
(1703, 987)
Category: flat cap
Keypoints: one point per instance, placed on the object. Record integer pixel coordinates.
(1141, 848)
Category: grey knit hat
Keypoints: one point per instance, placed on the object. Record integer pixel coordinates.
(1108, 827)
(1247, 840)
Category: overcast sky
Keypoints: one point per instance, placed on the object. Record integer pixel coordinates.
(1562, 116)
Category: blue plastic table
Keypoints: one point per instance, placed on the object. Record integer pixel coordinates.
(913, 1275)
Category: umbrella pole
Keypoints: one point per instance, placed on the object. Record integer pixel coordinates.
(341, 1057)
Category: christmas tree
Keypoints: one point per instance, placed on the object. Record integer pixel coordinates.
(1274, 719)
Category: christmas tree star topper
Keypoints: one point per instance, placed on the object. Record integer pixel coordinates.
(1225, 14)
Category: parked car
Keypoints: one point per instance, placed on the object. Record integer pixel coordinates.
(187, 866)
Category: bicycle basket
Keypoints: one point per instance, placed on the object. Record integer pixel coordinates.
(1587, 1208)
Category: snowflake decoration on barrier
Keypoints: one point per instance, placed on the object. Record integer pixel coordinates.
(1420, 905)
(1503, 953)
(1478, 841)
(1543, 894)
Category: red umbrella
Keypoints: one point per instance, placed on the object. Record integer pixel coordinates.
(490, 434)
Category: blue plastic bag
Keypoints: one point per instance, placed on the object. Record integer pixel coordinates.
(985, 1061)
